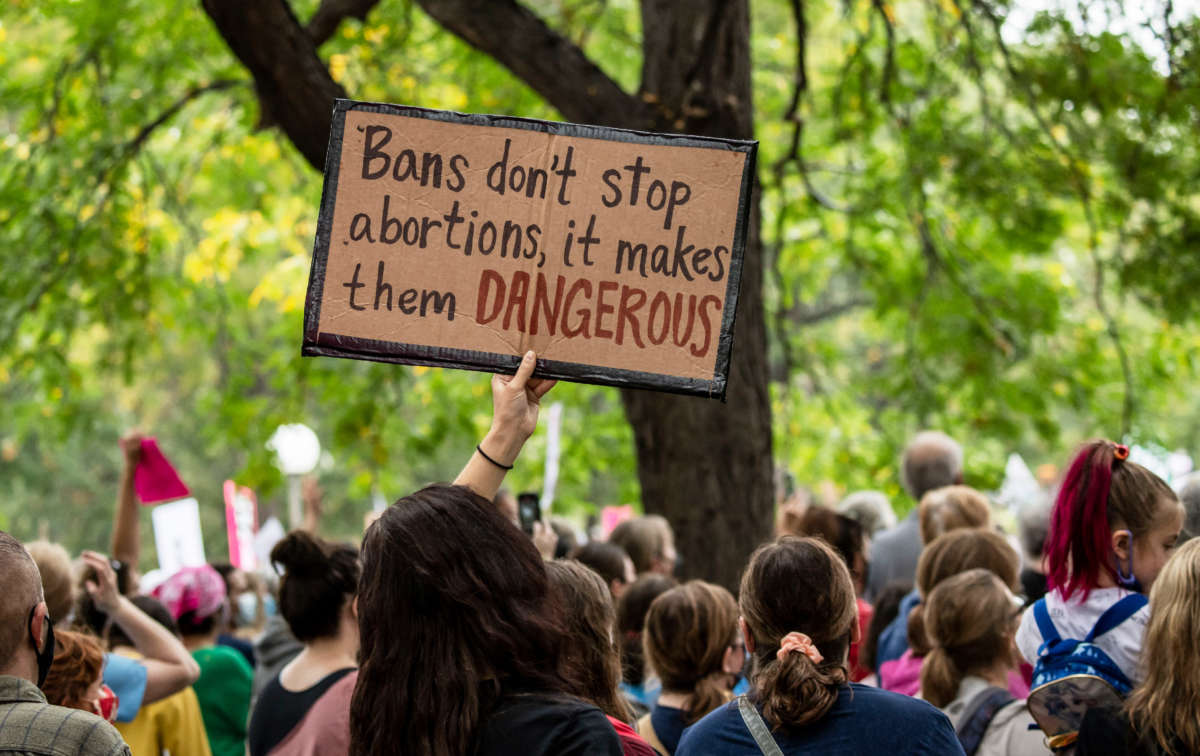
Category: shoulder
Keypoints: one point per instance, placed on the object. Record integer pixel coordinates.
(44, 728)
(531, 724)
(222, 658)
(721, 731)
(1009, 732)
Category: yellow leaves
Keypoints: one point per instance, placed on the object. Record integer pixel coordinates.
(22, 151)
(86, 212)
(376, 34)
(420, 370)
(337, 66)
(3, 33)
(448, 97)
(283, 285)
(1059, 132)
(951, 7)
(890, 13)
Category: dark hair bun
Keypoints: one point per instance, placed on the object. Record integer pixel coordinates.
(319, 577)
(301, 555)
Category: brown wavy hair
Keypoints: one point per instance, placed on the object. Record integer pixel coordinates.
(78, 664)
(591, 657)
(798, 585)
(1164, 706)
(970, 620)
(952, 554)
(951, 508)
(688, 630)
(454, 611)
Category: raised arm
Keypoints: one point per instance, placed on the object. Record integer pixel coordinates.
(126, 536)
(169, 666)
(515, 403)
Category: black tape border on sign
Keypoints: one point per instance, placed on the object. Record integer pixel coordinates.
(333, 345)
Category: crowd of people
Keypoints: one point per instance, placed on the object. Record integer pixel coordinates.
(451, 631)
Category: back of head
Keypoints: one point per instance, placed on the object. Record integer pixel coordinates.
(969, 620)
(1033, 527)
(872, 509)
(590, 660)
(950, 508)
(58, 581)
(931, 460)
(1189, 496)
(886, 607)
(688, 630)
(605, 559)
(631, 621)
(195, 596)
(1101, 491)
(154, 609)
(1164, 705)
(22, 592)
(845, 535)
(798, 585)
(78, 664)
(645, 540)
(319, 578)
(453, 606)
(952, 554)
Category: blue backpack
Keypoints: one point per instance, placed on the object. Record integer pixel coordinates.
(1072, 676)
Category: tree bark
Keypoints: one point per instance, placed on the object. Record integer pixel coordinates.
(703, 464)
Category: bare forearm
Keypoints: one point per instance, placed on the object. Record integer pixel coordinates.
(482, 476)
(126, 536)
(153, 641)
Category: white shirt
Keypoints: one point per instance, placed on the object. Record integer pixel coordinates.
(1074, 619)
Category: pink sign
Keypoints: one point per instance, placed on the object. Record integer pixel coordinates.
(241, 523)
(154, 479)
(611, 517)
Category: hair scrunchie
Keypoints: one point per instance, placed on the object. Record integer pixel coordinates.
(799, 643)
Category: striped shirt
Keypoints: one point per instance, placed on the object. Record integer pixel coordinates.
(29, 725)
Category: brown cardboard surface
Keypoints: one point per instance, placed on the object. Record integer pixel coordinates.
(415, 219)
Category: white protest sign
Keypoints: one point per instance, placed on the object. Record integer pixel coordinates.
(177, 535)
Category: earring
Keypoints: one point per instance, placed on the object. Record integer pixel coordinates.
(1126, 581)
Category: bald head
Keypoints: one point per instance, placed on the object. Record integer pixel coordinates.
(931, 460)
(22, 592)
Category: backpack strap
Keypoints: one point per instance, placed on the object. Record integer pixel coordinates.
(1045, 625)
(980, 711)
(758, 728)
(1116, 614)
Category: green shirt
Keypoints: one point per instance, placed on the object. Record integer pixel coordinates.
(224, 693)
(29, 726)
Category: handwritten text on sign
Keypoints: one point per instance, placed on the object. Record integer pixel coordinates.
(489, 239)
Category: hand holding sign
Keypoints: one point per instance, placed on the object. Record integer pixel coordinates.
(463, 240)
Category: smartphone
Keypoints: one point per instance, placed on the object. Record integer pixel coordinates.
(529, 510)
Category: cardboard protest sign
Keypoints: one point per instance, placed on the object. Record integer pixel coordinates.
(466, 240)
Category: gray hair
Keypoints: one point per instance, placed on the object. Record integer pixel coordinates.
(871, 509)
(931, 460)
(1189, 496)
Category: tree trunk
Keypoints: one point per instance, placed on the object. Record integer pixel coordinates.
(704, 465)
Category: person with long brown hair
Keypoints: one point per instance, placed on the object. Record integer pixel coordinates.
(971, 622)
(692, 645)
(460, 637)
(591, 656)
(640, 686)
(798, 619)
(949, 555)
(1161, 714)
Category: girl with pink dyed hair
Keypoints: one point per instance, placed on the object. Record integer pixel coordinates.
(1113, 526)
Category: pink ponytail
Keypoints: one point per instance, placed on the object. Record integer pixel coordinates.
(1078, 546)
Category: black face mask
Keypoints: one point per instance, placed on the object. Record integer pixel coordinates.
(45, 657)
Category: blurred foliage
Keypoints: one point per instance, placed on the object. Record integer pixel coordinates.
(989, 227)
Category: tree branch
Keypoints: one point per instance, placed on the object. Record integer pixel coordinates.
(294, 87)
(802, 314)
(329, 16)
(548, 62)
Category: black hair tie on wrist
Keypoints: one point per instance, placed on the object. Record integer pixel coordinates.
(483, 454)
